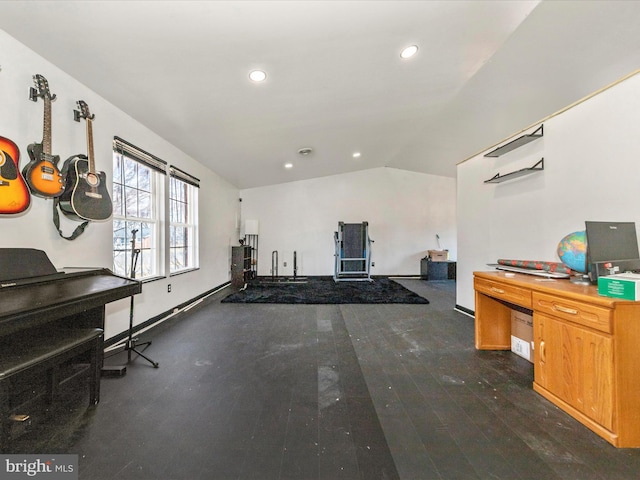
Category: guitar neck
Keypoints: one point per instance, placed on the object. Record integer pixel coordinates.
(92, 165)
(46, 134)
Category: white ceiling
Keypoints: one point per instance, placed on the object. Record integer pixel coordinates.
(336, 83)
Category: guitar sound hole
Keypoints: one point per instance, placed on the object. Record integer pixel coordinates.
(92, 179)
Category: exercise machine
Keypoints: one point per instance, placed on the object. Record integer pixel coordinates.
(352, 252)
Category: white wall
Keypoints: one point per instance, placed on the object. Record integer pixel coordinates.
(21, 120)
(592, 172)
(405, 211)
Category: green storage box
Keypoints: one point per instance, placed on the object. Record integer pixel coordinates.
(623, 285)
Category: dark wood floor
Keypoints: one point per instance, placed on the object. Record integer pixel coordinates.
(326, 392)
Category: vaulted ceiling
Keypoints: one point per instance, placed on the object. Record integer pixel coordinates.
(335, 80)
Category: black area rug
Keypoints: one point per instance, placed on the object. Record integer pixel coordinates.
(324, 290)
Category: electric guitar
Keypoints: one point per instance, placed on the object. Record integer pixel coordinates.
(41, 173)
(86, 196)
(14, 194)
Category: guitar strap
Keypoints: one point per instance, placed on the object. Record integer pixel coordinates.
(56, 216)
(56, 221)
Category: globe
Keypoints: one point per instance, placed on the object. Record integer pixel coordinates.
(572, 251)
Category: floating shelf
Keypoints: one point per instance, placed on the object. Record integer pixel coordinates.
(518, 142)
(497, 178)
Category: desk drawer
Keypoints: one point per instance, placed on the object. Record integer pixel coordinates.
(508, 293)
(598, 318)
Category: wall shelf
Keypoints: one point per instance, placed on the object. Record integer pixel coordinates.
(518, 142)
(497, 178)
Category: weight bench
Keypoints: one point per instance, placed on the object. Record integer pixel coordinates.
(44, 352)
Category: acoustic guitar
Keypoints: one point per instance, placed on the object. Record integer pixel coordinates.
(14, 194)
(86, 196)
(42, 173)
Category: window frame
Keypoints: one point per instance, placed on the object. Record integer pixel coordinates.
(186, 207)
(124, 152)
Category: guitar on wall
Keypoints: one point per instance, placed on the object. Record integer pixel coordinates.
(86, 196)
(41, 173)
(14, 194)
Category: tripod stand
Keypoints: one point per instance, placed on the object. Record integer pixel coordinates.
(131, 342)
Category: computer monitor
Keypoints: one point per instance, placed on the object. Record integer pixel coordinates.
(608, 241)
(612, 247)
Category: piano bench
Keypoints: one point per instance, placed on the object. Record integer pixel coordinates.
(30, 355)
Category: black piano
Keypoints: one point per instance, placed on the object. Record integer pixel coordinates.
(51, 324)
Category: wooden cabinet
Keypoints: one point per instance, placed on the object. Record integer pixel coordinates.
(586, 359)
(576, 365)
(241, 271)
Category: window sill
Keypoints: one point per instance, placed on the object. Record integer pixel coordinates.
(186, 270)
(152, 279)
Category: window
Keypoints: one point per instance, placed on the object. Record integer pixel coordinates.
(183, 218)
(137, 206)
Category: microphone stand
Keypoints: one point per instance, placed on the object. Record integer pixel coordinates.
(131, 342)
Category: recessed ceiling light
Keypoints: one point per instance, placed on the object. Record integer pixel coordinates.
(356, 155)
(288, 165)
(409, 51)
(305, 151)
(257, 76)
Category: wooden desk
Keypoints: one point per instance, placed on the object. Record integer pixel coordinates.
(587, 359)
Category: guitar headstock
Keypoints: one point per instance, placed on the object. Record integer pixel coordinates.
(41, 89)
(83, 112)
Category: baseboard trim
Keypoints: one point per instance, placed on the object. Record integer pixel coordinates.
(465, 310)
(155, 321)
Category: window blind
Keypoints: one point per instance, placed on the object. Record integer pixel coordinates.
(129, 150)
(184, 176)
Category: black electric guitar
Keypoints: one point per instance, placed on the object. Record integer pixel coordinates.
(86, 196)
(42, 173)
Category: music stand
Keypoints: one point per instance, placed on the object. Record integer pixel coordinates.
(131, 342)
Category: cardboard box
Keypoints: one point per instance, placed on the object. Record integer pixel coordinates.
(438, 255)
(625, 286)
(522, 335)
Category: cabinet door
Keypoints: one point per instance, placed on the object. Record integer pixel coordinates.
(248, 253)
(576, 365)
(237, 266)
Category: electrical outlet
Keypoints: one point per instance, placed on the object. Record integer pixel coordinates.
(169, 288)
(284, 264)
(373, 264)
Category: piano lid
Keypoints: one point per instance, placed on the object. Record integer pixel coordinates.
(31, 303)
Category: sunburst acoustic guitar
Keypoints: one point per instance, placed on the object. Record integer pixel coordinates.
(42, 173)
(14, 194)
(86, 196)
